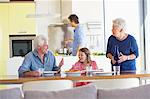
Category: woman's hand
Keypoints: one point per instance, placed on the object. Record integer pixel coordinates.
(113, 60)
(122, 58)
(110, 56)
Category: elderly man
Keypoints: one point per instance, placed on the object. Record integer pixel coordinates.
(40, 58)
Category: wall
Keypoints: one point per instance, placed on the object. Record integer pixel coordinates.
(0, 42)
(56, 37)
(66, 8)
(50, 13)
(88, 10)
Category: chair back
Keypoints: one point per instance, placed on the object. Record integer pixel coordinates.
(13, 65)
(47, 85)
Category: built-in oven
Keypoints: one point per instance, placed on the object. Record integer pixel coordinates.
(20, 45)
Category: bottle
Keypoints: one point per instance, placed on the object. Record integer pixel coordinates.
(116, 67)
(65, 51)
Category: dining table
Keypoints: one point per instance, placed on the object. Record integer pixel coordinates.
(14, 79)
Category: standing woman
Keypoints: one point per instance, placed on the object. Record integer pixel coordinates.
(79, 39)
(127, 46)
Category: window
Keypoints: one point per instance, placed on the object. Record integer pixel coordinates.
(147, 32)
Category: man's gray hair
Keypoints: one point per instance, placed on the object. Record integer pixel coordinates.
(40, 40)
(119, 22)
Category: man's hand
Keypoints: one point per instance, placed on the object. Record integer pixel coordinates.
(32, 74)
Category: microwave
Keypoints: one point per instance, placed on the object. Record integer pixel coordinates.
(20, 45)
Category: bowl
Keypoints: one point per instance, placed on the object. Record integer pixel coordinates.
(49, 73)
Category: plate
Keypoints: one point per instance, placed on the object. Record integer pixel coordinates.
(103, 73)
(98, 70)
(50, 72)
(78, 73)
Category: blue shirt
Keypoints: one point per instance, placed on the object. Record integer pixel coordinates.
(79, 39)
(32, 62)
(127, 47)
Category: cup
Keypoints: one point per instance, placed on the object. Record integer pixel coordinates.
(41, 71)
(88, 71)
(116, 70)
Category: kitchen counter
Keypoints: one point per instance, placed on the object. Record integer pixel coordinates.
(15, 62)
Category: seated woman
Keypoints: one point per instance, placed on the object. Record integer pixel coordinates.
(84, 61)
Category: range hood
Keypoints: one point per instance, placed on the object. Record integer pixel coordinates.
(40, 15)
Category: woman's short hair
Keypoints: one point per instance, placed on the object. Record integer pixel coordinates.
(74, 17)
(87, 53)
(119, 22)
(40, 40)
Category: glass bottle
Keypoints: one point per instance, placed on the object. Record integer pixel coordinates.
(65, 51)
(116, 67)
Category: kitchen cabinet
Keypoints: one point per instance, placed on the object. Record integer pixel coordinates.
(4, 12)
(4, 0)
(18, 22)
(14, 0)
(21, 0)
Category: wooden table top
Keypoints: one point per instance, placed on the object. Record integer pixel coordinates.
(12, 79)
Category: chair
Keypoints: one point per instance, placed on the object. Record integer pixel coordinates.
(13, 65)
(47, 85)
(115, 83)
